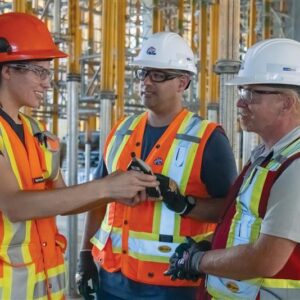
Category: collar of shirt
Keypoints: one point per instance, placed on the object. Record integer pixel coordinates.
(261, 151)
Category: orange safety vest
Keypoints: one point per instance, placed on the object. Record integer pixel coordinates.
(139, 241)
(31, 252)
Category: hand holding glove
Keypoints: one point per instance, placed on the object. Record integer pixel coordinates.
(87, 278)
(172, 197)
(184, 263)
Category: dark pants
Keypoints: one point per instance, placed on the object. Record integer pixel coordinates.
(115, 286)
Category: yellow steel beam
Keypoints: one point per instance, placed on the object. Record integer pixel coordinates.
(156, 26)
(55, 100)
(180, 16)
(75, 36)
(267, 23)
(19, 5)
(213, 83)
(252, 24)
(120, 61)
(193, 25)
(91, 122)
(203, 56)
(107, 45)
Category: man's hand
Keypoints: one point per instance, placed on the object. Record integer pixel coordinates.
(129, 187)
(184, 263)
(172, 197)
(87, 278)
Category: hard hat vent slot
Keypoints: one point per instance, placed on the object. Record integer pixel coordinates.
(5, 46)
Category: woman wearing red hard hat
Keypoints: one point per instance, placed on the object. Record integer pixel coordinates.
(31, 248)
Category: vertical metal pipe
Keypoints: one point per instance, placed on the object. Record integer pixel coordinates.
(87, 161)
(228, 110)
(73, 87)
(56, 17)
(73, 82)
(227, 65)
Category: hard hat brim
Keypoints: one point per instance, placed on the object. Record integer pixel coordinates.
(160, 65)
(32, 55)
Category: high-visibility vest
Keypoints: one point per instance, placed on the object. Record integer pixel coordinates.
(31, 252)
(241, 225)
(139, 241)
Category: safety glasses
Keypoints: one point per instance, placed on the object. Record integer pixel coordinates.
(250, 95)
(39, 71)
(155, 75)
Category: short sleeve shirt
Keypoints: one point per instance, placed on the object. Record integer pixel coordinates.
(218, 168)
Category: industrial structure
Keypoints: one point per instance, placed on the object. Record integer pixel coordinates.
(95, 86)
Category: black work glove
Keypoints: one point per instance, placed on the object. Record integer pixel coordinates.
(172, 197)
(87, 278)
(184, 263)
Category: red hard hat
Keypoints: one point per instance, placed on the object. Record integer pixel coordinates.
(25, 37)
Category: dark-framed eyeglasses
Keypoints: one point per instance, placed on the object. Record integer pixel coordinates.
(250, 95)
(156, 75)
(40, 71)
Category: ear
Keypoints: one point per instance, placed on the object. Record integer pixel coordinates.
(288, 102)
(184, 82)
(5, 72)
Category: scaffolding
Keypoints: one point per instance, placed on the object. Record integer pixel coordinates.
(95, 86)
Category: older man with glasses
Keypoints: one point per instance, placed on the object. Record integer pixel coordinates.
(195, 165)
(256, 252)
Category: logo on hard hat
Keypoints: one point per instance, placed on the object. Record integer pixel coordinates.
(288, 69)
(151, 51)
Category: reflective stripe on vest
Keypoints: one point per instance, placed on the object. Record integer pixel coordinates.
(166, 224)
(119, 140)
(245, 229)
(31, 265)
(49, 157)
(8, 152)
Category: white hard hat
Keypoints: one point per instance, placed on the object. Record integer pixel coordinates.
(273, 61)
(166, 50)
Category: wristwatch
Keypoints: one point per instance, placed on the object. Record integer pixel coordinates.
(190, 204)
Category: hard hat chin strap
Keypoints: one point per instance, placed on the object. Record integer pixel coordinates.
(5, 46)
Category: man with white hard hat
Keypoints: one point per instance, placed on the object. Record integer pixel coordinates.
(195, 166)
(256, 246)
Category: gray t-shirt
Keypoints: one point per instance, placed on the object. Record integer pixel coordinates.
(283, 210)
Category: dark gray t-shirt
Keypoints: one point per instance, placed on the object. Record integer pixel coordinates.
(218, 166)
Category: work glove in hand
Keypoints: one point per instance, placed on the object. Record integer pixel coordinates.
(184, 263)
(87, 278)
(172, 197)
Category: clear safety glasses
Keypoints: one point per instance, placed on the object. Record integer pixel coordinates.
(155, 75)
(250, 95)
(41, 72)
